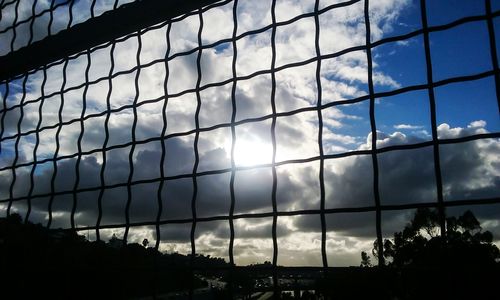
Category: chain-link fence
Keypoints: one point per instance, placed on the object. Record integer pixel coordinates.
(48, 67)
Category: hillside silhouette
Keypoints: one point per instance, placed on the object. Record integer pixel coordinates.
(61, 264)
(421, 264)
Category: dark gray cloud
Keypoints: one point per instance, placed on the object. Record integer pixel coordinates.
(470, 170)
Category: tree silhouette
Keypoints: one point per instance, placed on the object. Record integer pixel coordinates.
(420, 244)
(423, 264)
(365, 260)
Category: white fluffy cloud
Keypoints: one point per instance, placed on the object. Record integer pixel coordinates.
(408, 126)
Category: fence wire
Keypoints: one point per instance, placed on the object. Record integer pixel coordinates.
(19, 83)
(20, 17)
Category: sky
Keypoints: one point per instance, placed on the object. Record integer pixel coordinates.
(470, 170)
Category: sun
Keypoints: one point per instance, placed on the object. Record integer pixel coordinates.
(251, 153)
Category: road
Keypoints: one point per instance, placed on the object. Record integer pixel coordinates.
(266, 296)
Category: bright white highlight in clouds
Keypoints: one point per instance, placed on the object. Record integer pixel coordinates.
(248, 153)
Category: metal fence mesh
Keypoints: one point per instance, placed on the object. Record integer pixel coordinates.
(25, 22)
(13, 133)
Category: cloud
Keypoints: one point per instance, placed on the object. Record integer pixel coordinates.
(405, 177)
(446, 132)
(403, 43)
(344, 139)
(407, 126)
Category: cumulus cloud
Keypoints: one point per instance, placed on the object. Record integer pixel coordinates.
(408, 126)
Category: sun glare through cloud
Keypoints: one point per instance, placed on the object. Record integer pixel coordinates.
(252, 153)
